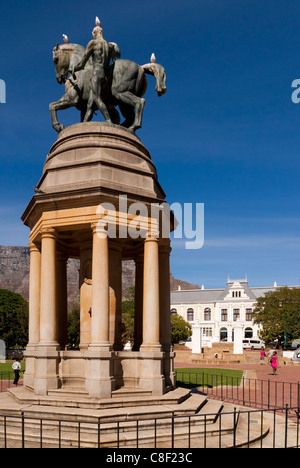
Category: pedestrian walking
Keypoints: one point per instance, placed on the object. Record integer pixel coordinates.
(17, 369)
(274, 362)
(262, 357)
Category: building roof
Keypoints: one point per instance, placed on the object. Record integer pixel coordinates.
(195, 296)
(206, 296)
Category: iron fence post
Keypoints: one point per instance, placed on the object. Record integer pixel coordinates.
(23, 431)
(286, 427)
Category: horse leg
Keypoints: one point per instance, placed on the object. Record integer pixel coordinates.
(136, 102)
(128, 114)
(83, 113)
(114, 115)
(64, 103)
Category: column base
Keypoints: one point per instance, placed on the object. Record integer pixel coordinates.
(100, 382)
(47, 374)
(30, 355)
(152, 377)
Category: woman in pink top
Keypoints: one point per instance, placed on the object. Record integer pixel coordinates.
(274, 362)
(262, 357)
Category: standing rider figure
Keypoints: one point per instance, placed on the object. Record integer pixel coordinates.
(101, 53)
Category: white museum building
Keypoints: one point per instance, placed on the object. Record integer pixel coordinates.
(218, 311)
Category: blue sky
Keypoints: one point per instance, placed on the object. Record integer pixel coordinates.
(226, 134)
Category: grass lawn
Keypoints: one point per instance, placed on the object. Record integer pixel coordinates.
(198, 377)
(5, 368)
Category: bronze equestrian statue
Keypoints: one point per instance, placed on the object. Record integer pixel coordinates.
(96, 78)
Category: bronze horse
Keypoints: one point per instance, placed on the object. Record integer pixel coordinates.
(126, 86)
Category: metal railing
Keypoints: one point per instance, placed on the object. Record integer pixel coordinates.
(257, 393)
(258, 428)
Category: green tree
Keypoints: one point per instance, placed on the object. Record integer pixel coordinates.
(128, 308)
(279, 313)
(180, 329)
(74, 327)
(13, 319)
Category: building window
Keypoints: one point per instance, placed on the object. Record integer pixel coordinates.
(190, 315)
(236, 314)
(248, 333)
(224, 315)
(207, 332)
(248, 315)
(236, 293)
(173, 311)
(223, 334)
(207, 314)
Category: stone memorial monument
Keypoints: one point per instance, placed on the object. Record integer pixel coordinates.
(96, 177)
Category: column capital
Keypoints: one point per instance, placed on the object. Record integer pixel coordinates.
(99, 230)
(152, 239)
(49, 233)
(33, 247)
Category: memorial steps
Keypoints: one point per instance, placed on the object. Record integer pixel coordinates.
(199, 422)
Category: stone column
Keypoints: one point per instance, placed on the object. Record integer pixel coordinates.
(34, 295)
(100, 294)
(165, 312)
(150, 352)
(151, 326)
(34, 313)
(48, 329)
(100, 382)
(138, 313)
(47, 364)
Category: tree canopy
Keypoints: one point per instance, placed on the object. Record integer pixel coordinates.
(128, 308)
(74, 327)
(13, 319)
(180, 329)
(279, 313)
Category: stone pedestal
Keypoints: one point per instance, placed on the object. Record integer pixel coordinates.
(197, 339)
(238, 338)
(93, 179)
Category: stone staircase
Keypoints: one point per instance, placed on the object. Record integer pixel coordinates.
(189, 419)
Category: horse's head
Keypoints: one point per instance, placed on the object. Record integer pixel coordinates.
(161, 78)
(159, 73)
(62, 57)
